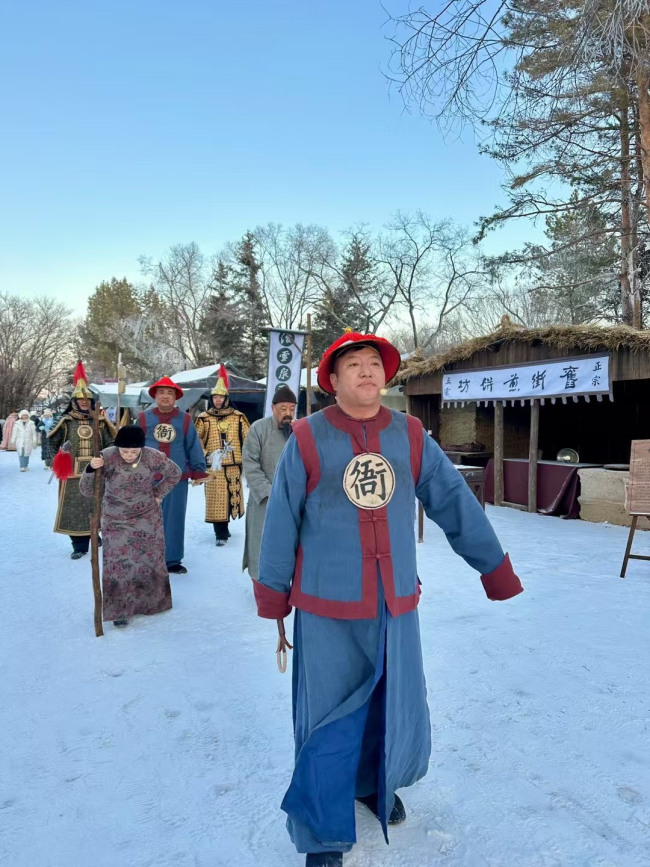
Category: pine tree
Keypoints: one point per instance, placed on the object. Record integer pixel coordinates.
(353, 300)
(253, 318)
(578, 272)
(112, 304)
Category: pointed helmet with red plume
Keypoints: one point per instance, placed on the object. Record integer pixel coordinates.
(81, 382)
(222, 385)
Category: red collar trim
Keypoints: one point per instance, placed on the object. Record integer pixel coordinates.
(166, 416)
(336, 417)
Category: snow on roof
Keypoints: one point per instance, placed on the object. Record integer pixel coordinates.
(197, 373)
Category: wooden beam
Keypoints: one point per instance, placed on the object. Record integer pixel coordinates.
(533, 446)
(498, 453)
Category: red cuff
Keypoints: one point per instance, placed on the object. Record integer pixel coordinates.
(270, 603)
(198, 474)
(502, 583)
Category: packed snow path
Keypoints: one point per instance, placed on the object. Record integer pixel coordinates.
(168, 743)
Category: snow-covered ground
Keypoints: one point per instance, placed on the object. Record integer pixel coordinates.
(169, 743)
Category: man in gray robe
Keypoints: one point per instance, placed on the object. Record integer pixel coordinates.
(260, 455)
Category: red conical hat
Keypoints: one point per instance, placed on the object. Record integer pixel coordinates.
(165, 382)
(389, 355)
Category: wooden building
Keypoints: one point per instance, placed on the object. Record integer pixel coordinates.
(535, 424)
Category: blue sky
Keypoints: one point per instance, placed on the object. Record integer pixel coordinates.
(132, 125)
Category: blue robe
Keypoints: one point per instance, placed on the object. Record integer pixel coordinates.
(185, 450)
(361, 722)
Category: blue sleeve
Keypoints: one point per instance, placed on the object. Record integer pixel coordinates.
(194, 450)
(448, 501)
(281, 535)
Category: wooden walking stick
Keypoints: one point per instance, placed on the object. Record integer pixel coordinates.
(94, 523)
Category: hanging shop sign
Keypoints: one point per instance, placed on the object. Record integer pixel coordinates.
(285, 362)
(541, 380)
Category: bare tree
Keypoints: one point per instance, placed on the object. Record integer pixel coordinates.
(182, 281)
(435, 269)
(294, 268)
(451, 64)
(35, 350)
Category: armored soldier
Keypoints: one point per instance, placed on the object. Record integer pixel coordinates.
(72, 439)
(222, 430)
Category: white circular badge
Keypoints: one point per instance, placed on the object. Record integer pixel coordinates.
(164, 433)
(369, 481)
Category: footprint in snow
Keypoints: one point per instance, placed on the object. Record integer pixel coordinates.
(629, 795)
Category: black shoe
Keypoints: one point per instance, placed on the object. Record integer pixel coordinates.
(324, 859)
(77, 555)
(397, 814)
(121, 622)
(221, 542)
(178, 569)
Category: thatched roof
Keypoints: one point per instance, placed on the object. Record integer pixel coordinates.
(566, 338)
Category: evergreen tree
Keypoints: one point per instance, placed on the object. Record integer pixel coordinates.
(222, 321)
(353, 300)
(578, 272)
(253, 316)
(113, 304)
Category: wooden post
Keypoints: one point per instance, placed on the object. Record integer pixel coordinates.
(308, 354)
(409, 408)
(498, 453)
(94, 525)
(532, 455)
(119, 392)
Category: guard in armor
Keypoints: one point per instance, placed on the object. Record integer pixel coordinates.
(170, 430)
(222, 430)
(72, 440)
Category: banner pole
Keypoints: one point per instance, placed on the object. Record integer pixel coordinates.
(308, 354)
(118, 416)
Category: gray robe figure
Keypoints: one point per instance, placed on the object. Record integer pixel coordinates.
(260, 455)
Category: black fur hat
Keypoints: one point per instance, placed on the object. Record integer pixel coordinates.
(130, 437)
(284, 395)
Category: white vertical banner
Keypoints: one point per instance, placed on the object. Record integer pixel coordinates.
(285, 362)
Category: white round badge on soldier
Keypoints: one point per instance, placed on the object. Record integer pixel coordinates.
(369, 481)
(164, 433)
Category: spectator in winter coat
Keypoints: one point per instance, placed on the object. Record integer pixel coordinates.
(23, 438)
(46, 425)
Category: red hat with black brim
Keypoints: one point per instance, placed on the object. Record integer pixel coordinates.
(353, 340)
(165, 382)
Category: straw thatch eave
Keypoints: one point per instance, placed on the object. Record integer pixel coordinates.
(565, 338)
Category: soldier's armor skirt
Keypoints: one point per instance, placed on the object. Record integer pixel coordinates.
(73, 514)
(223, 495)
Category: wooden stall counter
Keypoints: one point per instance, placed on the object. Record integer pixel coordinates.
(558, 485)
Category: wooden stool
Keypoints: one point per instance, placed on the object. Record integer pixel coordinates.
(629, 556)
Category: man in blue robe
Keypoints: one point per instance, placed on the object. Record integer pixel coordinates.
(171, 431)
(339, 546)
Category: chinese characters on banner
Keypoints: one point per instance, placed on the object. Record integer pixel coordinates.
(285, 362)
(548, 379)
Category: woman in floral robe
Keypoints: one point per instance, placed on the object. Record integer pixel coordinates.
(134, 481)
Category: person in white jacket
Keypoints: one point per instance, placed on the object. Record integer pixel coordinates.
(24, 437)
